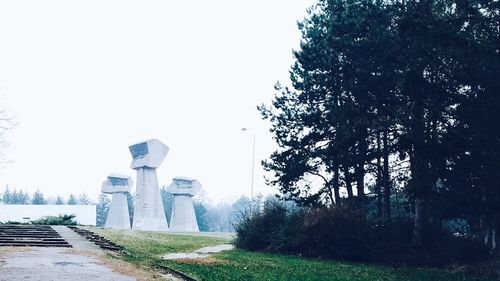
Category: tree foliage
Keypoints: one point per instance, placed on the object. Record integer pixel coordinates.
(102, 209)
(72, 200)
(394, 99)
(59, 200)
(14, 197)
(38, 198)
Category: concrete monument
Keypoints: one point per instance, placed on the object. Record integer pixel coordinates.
(118, 215)
(183, 217)
(148, 209)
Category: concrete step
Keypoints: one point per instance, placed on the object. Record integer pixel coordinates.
(30, 236)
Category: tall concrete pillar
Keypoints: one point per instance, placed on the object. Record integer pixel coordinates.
(118, 215)
(148, 208)
(183, 217)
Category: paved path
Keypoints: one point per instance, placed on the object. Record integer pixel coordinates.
(85, 261)
(44, 264)
(74, 239)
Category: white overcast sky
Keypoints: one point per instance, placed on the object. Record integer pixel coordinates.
(85, 79)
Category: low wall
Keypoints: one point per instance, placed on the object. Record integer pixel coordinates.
(85, 214)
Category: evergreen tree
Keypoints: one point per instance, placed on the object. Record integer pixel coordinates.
(102, 209)
(201, 215)
(72, 200)
(59, 200)
(19, 197)
(38, 198)
(130, 201)
(168, 201)
(399, 91)
(83, 199)
(7, 196)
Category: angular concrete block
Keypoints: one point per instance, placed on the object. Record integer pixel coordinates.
(150, 154)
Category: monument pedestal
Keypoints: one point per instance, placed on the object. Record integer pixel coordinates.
(118, 215)
(183, 218)
(149, 213)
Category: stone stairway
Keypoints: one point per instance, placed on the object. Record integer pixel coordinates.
(12, 235)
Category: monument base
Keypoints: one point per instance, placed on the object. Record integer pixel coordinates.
(118, 215)
(148, 212)
(183, 217)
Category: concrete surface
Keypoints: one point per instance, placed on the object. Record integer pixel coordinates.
(183, 217)
(42, 264)
(85, 261)
(74, 239)
(118, 214)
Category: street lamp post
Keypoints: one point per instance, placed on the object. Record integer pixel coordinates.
(253, 169)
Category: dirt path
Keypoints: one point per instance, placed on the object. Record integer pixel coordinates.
(202, 253)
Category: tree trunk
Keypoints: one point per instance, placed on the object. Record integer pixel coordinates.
(421, 183)
(360, 182)
(419, 222)
(386, 179)
(348, 182)
(378, 183)
(360, 169)
(336, 192)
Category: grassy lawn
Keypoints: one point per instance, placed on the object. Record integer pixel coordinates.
(145, 248)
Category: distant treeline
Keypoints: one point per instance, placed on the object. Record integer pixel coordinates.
(19, 197)
(221, 217)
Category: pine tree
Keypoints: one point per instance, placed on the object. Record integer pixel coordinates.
(400, 91)
(83, 199)
(130, 202)
(59, 200)
(7, 196)
(102, 209)
(38, 198)
(72, 200)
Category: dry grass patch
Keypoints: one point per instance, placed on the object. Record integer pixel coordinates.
(14, 249)
(205, 261)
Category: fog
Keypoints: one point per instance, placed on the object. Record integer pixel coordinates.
(85, 80)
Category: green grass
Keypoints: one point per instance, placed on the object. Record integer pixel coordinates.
(145, 248)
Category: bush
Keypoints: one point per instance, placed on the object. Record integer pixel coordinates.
(261, 231)
(323, 232)
(59, 220)
(343, 232)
